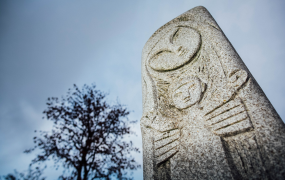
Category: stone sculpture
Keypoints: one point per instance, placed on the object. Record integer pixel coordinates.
(204, 115)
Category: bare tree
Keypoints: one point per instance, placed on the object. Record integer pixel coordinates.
(87, 137)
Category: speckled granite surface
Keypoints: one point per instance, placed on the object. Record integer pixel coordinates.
(204, 115)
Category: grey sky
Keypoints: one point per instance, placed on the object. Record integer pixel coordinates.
(47, 46)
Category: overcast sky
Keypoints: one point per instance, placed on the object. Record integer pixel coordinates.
(47, 46)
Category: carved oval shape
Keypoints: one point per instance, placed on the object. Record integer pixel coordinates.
(178, 50)
(164, 61)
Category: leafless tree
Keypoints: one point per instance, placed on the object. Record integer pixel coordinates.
(87, 137)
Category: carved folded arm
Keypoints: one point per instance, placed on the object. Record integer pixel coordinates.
(166, 145)
(166, 141)
(225, 92)
(226, 116)
(229, 119)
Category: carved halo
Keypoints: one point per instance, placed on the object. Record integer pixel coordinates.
(180, 45)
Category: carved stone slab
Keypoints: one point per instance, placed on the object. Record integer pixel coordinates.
(204, 115)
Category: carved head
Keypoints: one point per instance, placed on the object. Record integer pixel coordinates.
(186, 92)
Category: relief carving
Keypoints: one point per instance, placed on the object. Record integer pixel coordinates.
(200, 101)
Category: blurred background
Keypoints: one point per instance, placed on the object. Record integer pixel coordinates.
(47, 46)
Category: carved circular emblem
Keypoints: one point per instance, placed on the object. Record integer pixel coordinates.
(177, 49)
(185, 92)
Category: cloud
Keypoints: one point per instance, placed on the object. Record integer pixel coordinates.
(47, 46)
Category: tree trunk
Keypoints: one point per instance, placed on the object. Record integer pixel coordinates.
(79, 172)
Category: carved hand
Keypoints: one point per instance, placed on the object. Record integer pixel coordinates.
(229, 119)
(237, 79)
(166, 145)
(148, 118)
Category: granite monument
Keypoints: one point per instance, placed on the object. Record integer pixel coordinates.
(204, 114)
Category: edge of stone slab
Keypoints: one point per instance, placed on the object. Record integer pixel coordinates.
(198, 13)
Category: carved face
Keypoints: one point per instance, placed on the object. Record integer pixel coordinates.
(186, 92)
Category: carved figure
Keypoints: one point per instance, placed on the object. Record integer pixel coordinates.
(205, 116)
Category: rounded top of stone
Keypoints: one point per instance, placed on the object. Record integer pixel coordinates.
(198, 14)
